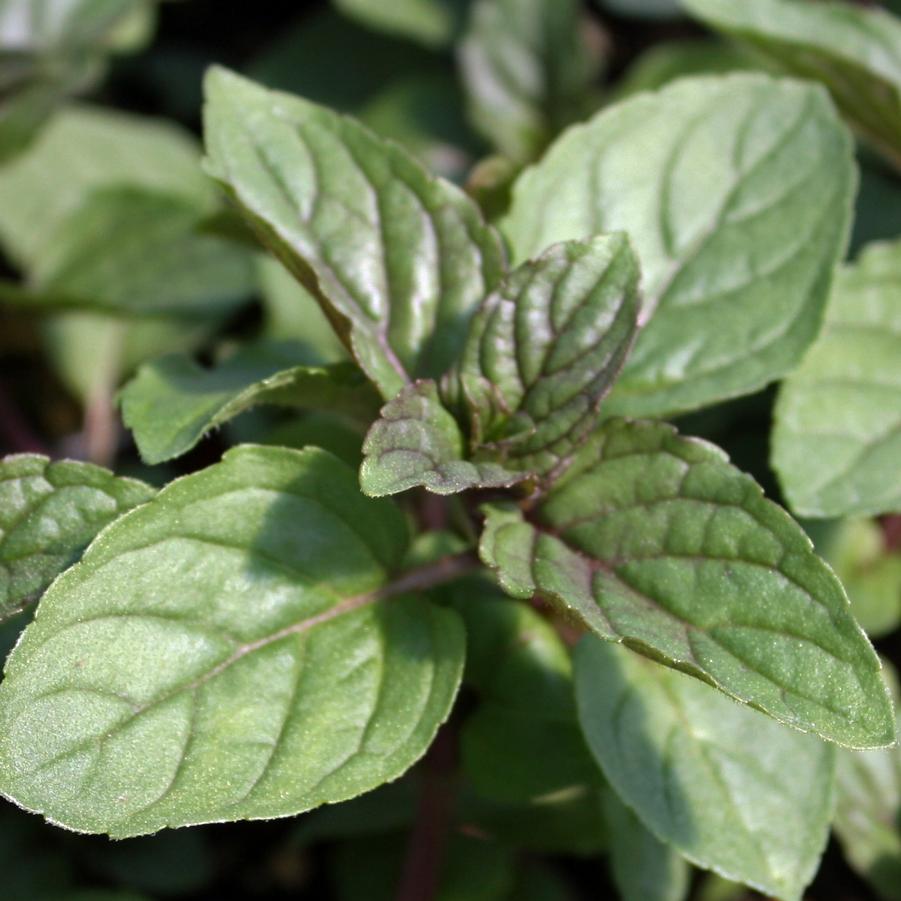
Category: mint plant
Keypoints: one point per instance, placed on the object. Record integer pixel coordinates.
(474, 575)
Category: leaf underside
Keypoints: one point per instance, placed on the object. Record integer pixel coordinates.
(656, 541)
(227, 652)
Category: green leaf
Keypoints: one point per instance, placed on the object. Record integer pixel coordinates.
(656, 541)
(398, 258)
(728, 788)
(868, 816)
(432, 22)
(82, 150)
(228, 651)
(870, 571)
(528, 68)
(49, 512)
(546, 347)
(173, 402)
(643, 867)
(854, 51)
(135, 252)
(736, 242)
(522, 742)
(417, 442)
(837, 435)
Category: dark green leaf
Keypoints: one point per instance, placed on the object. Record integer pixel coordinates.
(528, 67)
(855, 51)
(417, 442)
(228, 651)
(837, 438)
(545, 348)
(49, 512)
(736, 241)
(398, 258)
(173, 402)
(730, 789)
(657, 541)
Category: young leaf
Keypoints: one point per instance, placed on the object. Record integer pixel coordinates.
(397, 257)
(522, 742)
(728, 788)
(854, 50)
(173, 402)
(82, 150)
(545, 348)
(837, 437)
(643, 867)
(134, 251)
(656, 541)
(528, 68)
(417, 442)
(49, 512)
(228, 651)
(736, 242)
(432, 22)
(868, 816)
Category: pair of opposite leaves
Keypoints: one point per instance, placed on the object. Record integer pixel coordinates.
(650, 538)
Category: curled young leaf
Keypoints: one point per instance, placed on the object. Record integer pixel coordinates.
(737, 242)
(656, 541)
(398, 258)
(49, 512)
(233, 649)
(417, 443)
(545, 348)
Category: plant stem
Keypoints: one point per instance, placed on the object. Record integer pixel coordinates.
(420, 879)
(437, 573)
(891, 531)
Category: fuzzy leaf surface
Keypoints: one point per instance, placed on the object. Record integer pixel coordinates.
(398, 258)
(49, 512)
(546, 347)
(736, 242)
(416, 442)
(528, 67)
(233, 649)
(727, 787)
(854, 50)
(837, 436)
(656, 541)
(173, 402)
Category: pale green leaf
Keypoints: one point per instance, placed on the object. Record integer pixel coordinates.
(545, 348)
(49, 512)
(643, 867)
(398, 258)
(432, 22)
(868, 816)
(837, 437)
(854, 50)
(173, 402)
(83, 149)
(736, 241)
(417, 442)
(656, 541)
(136, 252)
(728, 788)
(233, 649)
(528, 68)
